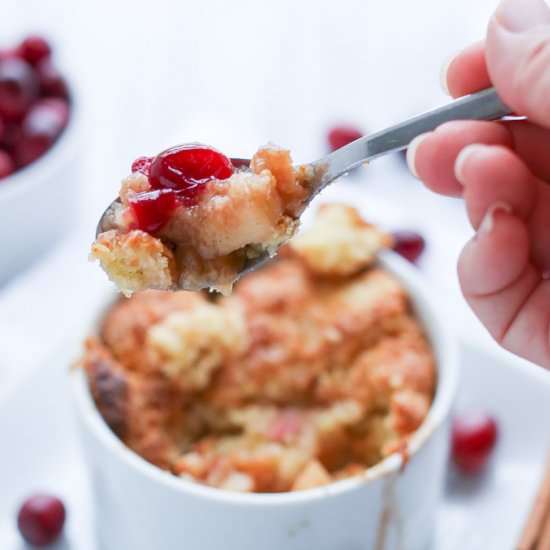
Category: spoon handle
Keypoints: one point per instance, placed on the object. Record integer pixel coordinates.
(483, 105)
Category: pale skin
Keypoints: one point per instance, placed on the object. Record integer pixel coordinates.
(502, 171)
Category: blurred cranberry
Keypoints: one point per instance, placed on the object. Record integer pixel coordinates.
(41, 127)
(40, 519)
(474, 437)
(34, 49)
(52, 82)
(342, 135)
(409, 244)
(10, 135)
(7, 166)
(19, 88)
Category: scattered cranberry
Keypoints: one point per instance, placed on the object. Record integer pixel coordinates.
(474, 437)
(34, 49)
(409, 244)
(41, 127)
(342, 135)
(51, 81)
(153, 208)
(142, 165)
(40, 519)
(19, 88)
(7, 166)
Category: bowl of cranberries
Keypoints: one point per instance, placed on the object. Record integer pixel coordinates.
(38, 152)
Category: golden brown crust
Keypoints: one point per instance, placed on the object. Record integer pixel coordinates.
(144, 411)
(297, 379)
(339, 243)
(135, 260)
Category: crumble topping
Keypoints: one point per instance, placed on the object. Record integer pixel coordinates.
(310, 372)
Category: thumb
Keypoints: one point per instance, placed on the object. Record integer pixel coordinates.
(518, 57)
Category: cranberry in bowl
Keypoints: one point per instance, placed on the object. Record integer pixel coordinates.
(309, 409)
(39, 140)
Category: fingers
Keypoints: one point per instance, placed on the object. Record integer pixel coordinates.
(518, 57)
(494, 174)
(466, 72)
(503, 288)
(432, 156)
(532, 143)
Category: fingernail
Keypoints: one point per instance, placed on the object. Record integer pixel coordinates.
(444, 70)
(463, 156)
(522, 15)
(488, 221)
(411, 152)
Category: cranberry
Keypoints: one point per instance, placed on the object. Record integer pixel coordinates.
(40, 519)
(342, 135)
(41, 127)
(474, 437)
(153, 208)
(187, 167)
(409, 244)
(19, 88)
(7, 166)
(34, 49)
(51, 81)
(10, 135)
(285, 426)
(142, 165)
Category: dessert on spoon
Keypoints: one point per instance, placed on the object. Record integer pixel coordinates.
(191, 218)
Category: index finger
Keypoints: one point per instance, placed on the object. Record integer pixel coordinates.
(467, 72)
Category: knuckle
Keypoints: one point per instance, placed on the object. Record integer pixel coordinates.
(532, 80)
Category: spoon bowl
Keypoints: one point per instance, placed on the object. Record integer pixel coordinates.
(483, 105)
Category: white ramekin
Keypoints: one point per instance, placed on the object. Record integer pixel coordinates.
(37, 202)
(393, 506)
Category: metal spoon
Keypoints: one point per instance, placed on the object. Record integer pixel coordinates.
(483, 105)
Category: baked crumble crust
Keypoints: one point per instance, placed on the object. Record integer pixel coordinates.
(306, 374)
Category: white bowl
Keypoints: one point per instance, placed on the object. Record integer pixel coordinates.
(141, 507)
(37, 202)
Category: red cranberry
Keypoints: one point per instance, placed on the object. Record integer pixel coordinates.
(474, 437)
(51, 81)
(342, 135)
(40, 519)
(7, 166)
(142, 165)
(409, 244)
(19, 88)
(185, 168)
(153, 208)
(34, 49)
(10, 135)
(41, 127)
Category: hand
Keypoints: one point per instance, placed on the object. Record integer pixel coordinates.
(502, 170)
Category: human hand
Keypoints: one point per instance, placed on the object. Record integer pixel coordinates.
(502, 170)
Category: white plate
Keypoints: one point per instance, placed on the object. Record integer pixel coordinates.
(487, 512)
